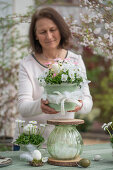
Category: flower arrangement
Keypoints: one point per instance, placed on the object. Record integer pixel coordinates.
(109, 128)
(30, 133)
(62, 72)
(63, 83)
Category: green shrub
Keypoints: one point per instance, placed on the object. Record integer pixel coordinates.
(104, 99)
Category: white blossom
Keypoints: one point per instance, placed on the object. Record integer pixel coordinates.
(106, 26)
(30, 129)
(110, 123)
(33, 122)
(101, 1)
(97, 30)
(104, 125)
(46, 72)
(44, 159)
(19, 121)
(43, 125)
(108, 8)
(106, 36)
(55, 67)
(64, 77)
(72, 75)
(42, 82)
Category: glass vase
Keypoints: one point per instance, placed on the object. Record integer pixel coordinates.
(65, 142)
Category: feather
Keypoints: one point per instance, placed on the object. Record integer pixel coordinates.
(26, 156)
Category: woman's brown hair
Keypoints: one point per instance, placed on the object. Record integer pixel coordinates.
(57, 19)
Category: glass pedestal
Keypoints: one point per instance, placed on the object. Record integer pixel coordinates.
(65, 142)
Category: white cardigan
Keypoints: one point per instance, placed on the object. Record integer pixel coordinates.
(30, 93)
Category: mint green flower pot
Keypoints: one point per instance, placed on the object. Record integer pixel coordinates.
(65, 142)
(61, 88)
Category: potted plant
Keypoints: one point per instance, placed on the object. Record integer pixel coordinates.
(109, 129)
(30, 133)
(63, 83)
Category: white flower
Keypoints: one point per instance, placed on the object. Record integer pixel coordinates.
(36, 155)
(30, 129)
(55, 67)
(19, 121)
(106, 36)
(111, 39)
(71, 75)
(99, 38)
(46, 72)
(108, 8)
(110, 123)
(33, 122)
(27, 128)
(97, 30)
(101, 1)
(64, 67)
(104, 125)
(44, 159)
(64, 77)
(43, 125)
(74, 22)
(106, 26)
(42, 82)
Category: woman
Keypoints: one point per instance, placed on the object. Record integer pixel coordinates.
(49, 36)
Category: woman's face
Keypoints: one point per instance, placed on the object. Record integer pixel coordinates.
(47, 33)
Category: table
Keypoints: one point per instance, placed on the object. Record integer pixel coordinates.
(89, 151)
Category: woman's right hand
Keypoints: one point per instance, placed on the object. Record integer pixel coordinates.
(46, 109)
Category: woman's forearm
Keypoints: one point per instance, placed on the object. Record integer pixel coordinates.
(29, 108)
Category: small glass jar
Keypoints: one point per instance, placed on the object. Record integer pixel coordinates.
(65, 142)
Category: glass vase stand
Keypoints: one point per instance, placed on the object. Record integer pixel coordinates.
(65, 143)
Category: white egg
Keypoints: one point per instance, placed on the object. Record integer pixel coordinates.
(36, 154)
(97, 158)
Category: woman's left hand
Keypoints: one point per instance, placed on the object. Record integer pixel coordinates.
(77, 108)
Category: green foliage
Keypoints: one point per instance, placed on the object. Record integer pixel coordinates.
(104, 99)
(57, 79)
(84, 127)
(100, 72)
(111, 140)
(32, 139)
(88, 118)
(4, 147)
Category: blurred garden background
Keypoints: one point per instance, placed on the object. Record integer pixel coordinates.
(92, 30)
